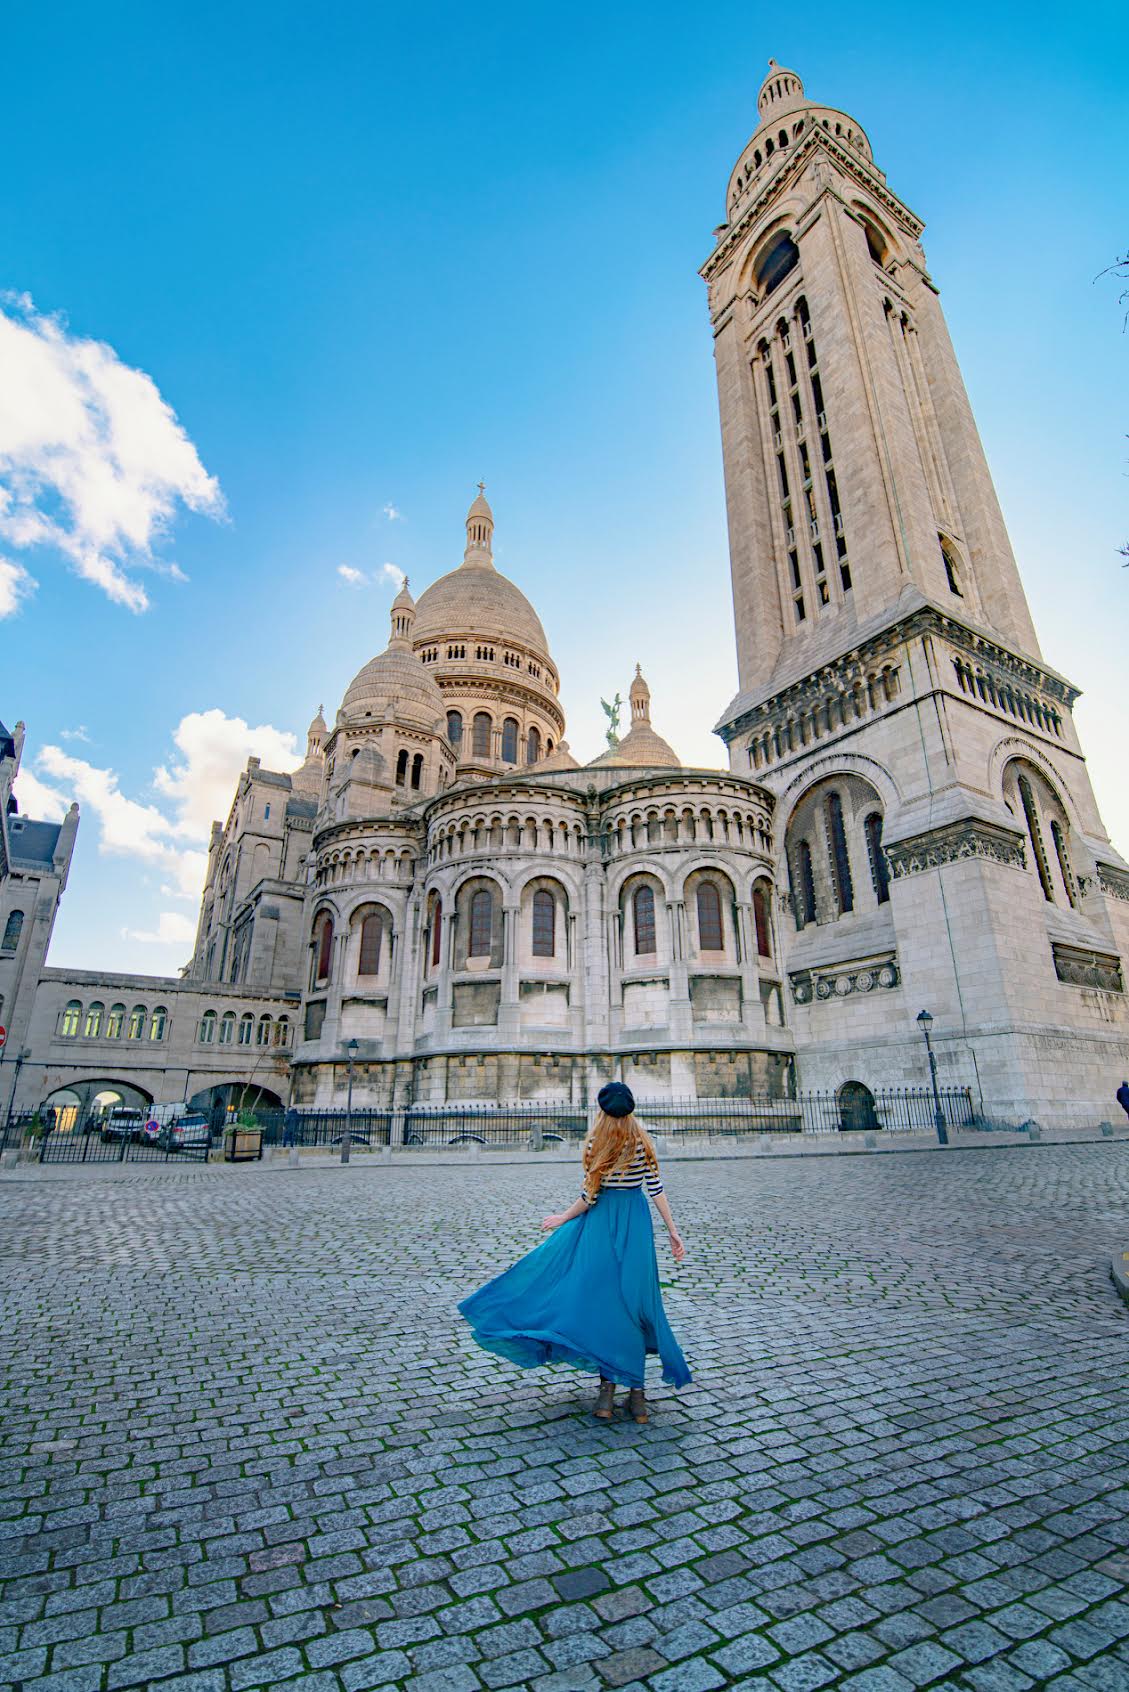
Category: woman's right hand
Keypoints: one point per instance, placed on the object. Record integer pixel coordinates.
(676, 1245)
(548, 1223)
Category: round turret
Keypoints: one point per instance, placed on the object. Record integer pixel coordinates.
(641, 747)
(395, 684)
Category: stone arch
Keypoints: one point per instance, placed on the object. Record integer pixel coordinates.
(711, 912)
(479, 938)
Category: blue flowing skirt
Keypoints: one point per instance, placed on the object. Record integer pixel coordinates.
(587, 1295)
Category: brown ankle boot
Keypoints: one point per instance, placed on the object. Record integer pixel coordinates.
(605, 1400)
(637, 1404)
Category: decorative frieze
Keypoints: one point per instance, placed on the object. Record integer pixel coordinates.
(1080, 967)
(840, 981)
(1113, 881)
(952, 842)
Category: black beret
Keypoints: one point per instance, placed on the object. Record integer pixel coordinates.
(615, 1099)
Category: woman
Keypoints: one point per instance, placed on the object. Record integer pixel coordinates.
(589, 1295)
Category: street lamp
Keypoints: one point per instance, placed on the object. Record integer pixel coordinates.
(351, 1051)
(926, 1022)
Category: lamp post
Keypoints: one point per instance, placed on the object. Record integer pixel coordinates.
(351, 1055)
(926, 1022)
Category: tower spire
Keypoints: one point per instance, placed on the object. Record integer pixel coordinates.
(480, 532)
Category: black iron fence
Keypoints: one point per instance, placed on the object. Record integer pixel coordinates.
(536, 1124)
(94, 1140)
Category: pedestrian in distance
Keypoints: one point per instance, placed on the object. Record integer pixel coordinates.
(589, 1295)
(1123, 1096)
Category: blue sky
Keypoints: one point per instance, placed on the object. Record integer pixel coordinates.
(369, 254)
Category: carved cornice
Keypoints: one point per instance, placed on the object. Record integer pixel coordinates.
(841, 981)
(1113, 881)
(953, 841)
(1078, 966)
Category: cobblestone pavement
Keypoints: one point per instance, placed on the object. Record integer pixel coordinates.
(245, 1442)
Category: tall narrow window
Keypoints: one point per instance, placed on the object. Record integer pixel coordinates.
(1036, 836)
(368, 962)
(481, 923)
(455, 728)
(227, 1028)
(509, 741)
(643, 910)
(710, 934)
(136, 1023)
(544, 924)
(93, 1025)
(1063, 855)
(761, 922)
(480, 735)
(401, 766)
(952, 570)
(417, 769)
(12, 929)
(115, 1022)
(262, 1032)
(533, 746)
(436, 933)
(246, 1029)
(324, 944)
(158, 1023)
(879, 873)
(69, 1021)
(282, 1031)
(840, 862)
(805, 886)
(207, 1031)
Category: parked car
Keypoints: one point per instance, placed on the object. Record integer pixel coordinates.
(186, 1133)
(123, 1124)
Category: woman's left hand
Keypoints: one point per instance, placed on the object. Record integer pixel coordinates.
(548, 1223)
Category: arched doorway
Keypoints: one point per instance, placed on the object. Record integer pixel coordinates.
(83, 1104)
(856, 1107)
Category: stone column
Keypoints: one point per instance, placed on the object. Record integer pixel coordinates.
(509, 1010)
(681, 1020)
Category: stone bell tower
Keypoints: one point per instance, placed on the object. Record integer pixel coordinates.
(940, 843)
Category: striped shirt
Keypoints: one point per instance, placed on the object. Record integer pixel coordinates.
(637, 1173)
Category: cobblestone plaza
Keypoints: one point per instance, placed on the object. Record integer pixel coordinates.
(247, 1443)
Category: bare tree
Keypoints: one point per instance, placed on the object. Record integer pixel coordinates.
(1120, 269)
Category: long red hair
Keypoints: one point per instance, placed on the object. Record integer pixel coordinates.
(610, 1147)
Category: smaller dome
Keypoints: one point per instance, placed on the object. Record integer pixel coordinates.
(395, 683)
(640, 747)
(780, 92)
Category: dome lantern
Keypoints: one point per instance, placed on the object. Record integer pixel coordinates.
(480, 532)
(403, 617)
(780, 92)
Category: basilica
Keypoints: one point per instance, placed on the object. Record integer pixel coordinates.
(444, 903)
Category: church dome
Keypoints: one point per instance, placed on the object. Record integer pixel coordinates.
(476, 599)
(395, 683)
(641, 747)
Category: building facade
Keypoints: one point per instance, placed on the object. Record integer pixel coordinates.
(443, 897)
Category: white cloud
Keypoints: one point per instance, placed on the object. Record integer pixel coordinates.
(92, 460)
(391, 574)
(393, 515)
(15, 586)
(355, 578)
(79, 733)
(37, 800)
(214, 749)
(173, 929)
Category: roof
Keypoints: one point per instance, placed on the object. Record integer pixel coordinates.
(477, 600)
(34, 842)
(301, 807)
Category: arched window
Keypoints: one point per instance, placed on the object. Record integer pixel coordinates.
(93, 1024)
(805, 885)
(115, 1022)
(455, 728)
(761, 922)
(368, 962)
(69, 1021)
(282, 1031)
(778, 262)
(207, 1028)
(533, 746)
(481, 923)
(12, 930)
(1031, 816)
(262, 1033)
(136, 1028)
(417, 769)
(227, 1028)
(158, 1023)
(480, 735)
(509, 741)
(952, 568)
(544, 924)
(711, 937)
(436, 933)
(879, 873)
(643, 911)
(246, 1028)
(1063, 855)
(840, 862)
(323, 943)
(401, 766)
